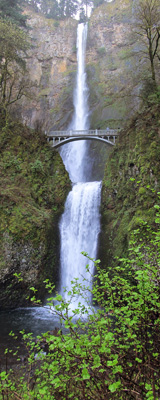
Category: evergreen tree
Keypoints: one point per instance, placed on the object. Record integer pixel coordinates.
(57, 9)
(67, 8)
(11, 10)
(85, 4)
(34, 3)
(71, 7)
(82, 15)
(53, 11)
(97, 3)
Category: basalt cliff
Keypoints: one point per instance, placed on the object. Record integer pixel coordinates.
(111, 63)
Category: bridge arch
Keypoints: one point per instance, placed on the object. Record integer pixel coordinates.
(62, 141)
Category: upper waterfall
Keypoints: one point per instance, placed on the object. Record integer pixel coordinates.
(74, 155)
(80, 119)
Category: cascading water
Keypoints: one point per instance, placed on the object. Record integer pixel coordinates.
(73, 154)
(80, 222)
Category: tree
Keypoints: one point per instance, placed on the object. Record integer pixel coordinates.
(13, 48)
(33, 3)
(11, 10)
(85, 4)
(57, 9)
(148, 29)
(71, 8)
(51, 9)
(67, 8)
(97, 3)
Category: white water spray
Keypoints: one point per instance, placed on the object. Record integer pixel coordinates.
(80, 222)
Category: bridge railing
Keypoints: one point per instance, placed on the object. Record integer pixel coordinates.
(95, 132)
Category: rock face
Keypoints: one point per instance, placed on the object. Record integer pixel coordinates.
(51, 66)
(111, 66)
(111, 63)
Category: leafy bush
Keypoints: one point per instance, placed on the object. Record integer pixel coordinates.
(154, 98)
(37, 167)
(111, 351)
(56, 24)
(101, 51)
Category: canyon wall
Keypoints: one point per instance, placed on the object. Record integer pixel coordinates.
(111, 64)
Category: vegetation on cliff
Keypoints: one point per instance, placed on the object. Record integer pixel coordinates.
(131, 181)
(64, 8)
(34, 185)
(122, 59)
(11, 10)
(14, 44)
(14, 81)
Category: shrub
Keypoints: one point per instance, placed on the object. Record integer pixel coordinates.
(56, 24)
(37, 167)
(110, 351)
(101, 51)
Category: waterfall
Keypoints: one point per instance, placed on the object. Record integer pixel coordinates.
(80, 227)
(74, 154)
(80, 222)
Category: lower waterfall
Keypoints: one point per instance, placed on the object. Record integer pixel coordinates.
(79, 230)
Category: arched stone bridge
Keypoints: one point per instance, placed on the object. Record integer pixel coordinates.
(58, 138)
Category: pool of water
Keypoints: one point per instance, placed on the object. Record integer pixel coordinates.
(36, 320)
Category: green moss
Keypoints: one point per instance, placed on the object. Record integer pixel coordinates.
(142, 191)
(44, 92)
(101, 51)
(125, 53)
(34, 185)
(119, 10)
(131, 183)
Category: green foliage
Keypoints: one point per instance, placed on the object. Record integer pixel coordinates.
(11, 10)
(34, 186)
(142, 191)
(54, 8)
(56, 24)
(109, 352)
(154, 98)
(13, 49)
(84, 4)
(101, 51)
(131, 182)
(31, 184)
(37, 167)
(97, 3)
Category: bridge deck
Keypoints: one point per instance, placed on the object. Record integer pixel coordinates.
(95, 132)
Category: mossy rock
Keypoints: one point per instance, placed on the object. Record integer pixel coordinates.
(131, 184)
(34, 187)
